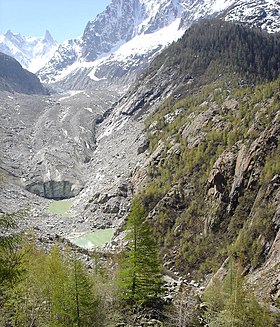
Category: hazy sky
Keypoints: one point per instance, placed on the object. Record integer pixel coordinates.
(65, 19)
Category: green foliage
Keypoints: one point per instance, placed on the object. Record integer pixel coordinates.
(232, 303)
(106, 290)
(10, 258)
(214, 49)
(242, 115)
(248, 246)
(215, 298)
(140, 278)
(241, 213)
(272, 165)
(54, 291)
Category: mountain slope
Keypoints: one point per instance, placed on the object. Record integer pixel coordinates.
(122, 40)
(109, 47)
(207, 52)
(210, 183)
(207, 168)
(31, 52)
(174, 73)
(14, 78)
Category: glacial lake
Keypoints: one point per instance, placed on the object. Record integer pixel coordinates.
(94, 239)
(60, 208)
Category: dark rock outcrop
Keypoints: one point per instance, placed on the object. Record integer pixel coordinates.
(13, 78)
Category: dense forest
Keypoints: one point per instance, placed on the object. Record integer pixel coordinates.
(213, 47)
(211, 50)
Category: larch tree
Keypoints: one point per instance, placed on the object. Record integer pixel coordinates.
(140, 277)
(9, 255)
(232, 303)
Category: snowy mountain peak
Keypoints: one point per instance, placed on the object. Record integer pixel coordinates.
(263, 14)
(48, 38)
(123, 39)
(123, 20)
(31, 52)
(9, 34)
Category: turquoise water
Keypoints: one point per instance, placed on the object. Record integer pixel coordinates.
(94, 239)
(60, 208)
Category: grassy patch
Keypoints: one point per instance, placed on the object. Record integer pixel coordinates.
(60, 208)
(94, 239)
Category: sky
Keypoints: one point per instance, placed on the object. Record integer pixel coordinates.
(65, 19)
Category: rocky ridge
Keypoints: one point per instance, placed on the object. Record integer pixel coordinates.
(14, 78)
(31, 52)
(260, 14)
(123, 40)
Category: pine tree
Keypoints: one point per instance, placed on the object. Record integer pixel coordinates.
(140, 272)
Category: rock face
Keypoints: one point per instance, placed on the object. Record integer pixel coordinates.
(116, 24)
(236, 202)
(260, 14)
(120, 40)
(14, 78)
(124, 20)
(123, 40)
(65, 56)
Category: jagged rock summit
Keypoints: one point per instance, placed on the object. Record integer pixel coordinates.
(31, 52)
(123, 39)
(120, 40)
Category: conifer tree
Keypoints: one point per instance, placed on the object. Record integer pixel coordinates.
(140, 272)
(233, 303)
(9, 256)
(55, 290)
(83, 304)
